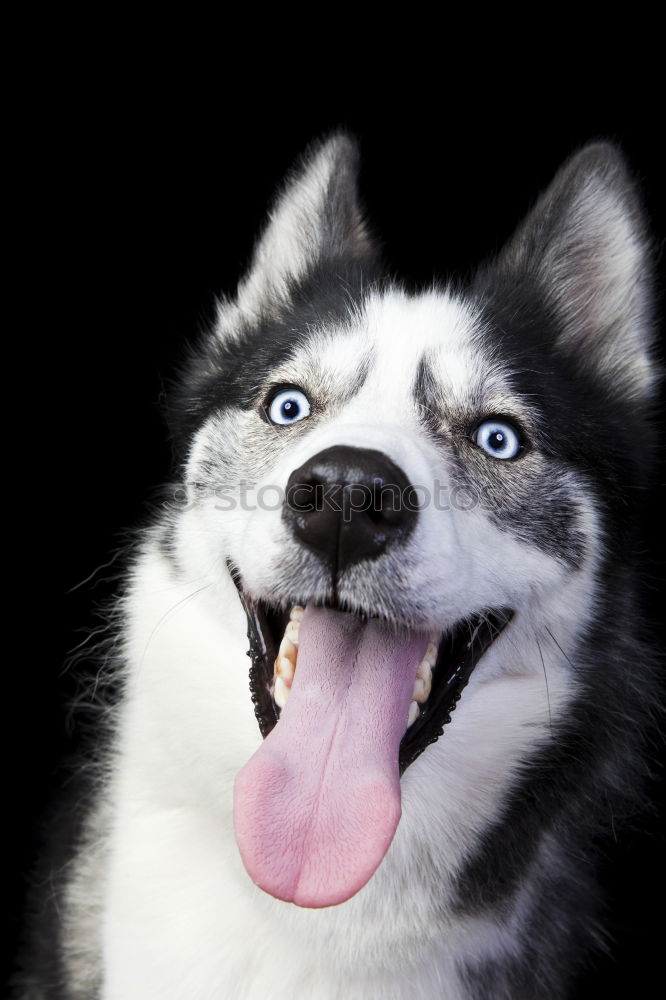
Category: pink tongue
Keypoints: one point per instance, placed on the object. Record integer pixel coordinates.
(316, 807)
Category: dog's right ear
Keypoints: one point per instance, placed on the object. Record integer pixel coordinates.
(316, 219)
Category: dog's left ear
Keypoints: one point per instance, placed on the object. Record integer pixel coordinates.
(315, 219)
(585, 248)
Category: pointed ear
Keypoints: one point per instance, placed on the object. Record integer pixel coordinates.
(315, 218)
(586, 246)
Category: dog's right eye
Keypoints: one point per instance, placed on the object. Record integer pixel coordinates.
(288, 406)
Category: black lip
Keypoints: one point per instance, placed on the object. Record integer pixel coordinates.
(459, 653)
(262, 652)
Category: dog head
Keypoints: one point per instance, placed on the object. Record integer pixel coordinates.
(415, 493)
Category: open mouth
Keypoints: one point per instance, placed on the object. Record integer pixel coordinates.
(441, 676)
(357, 701)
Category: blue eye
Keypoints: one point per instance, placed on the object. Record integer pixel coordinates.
(497, 438)
(289, 406)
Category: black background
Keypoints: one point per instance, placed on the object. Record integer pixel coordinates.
(139, 201)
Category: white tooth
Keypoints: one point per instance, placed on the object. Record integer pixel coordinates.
(428, 662)
(413, 713)
(287, 649)
(422, 688)
(425, 670)
(291, 631)
(281, 693)
(284, 670)
(296, 613)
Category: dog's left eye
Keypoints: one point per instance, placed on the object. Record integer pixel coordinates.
(288, 406)
(497, 438)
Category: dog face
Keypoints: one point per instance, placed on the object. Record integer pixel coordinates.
(436, 478)
(411, 380)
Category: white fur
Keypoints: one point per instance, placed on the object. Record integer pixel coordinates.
(297, 237)
(180, 917)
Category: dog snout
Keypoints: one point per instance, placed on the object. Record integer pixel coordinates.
(349, 504)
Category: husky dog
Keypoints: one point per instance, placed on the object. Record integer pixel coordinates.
(405, 504)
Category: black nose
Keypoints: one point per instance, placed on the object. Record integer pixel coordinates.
(348, 504)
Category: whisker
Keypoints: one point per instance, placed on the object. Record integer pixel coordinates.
(178, 604)
(545, 677)
(94, 573)
(558, 646)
